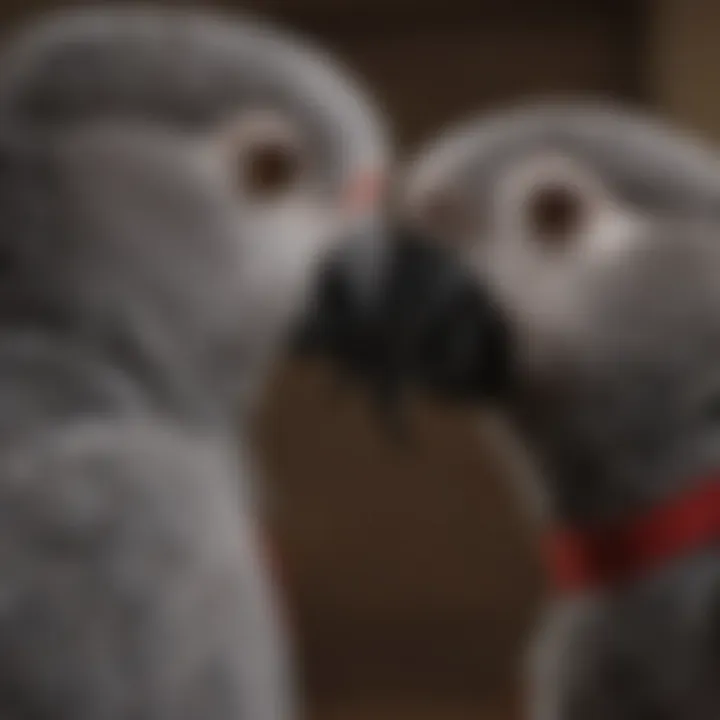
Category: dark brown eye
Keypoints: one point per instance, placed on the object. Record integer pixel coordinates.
(556, 213)
(270, 169)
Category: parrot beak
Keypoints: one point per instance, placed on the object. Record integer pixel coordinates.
(396, 310)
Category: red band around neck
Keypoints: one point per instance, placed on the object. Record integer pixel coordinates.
(582, 559)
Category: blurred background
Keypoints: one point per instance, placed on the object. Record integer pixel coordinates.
(411, 573)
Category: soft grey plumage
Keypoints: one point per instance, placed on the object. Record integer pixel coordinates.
(612, 306)
(145, 292)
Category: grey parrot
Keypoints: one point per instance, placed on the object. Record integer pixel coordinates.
(172, 185)
(590, 235)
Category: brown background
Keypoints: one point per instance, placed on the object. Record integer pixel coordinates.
(412, 578)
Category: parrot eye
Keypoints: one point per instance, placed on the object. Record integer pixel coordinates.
(270, 169)
(556, 213)
(551, 200)
(268, 155)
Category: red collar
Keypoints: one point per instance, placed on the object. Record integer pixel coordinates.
(582, 559)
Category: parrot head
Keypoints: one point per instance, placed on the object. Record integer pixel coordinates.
(586, 236)
(194, 172)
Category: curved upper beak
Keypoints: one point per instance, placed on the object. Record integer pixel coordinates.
(394, 310)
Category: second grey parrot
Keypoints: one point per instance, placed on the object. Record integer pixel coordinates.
(591, 234)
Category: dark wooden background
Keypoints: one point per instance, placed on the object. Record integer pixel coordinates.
(412, 579)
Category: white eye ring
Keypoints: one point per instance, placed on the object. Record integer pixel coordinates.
(268, 158)
(549, 199)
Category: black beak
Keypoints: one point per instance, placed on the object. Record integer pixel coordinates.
(428, 324)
